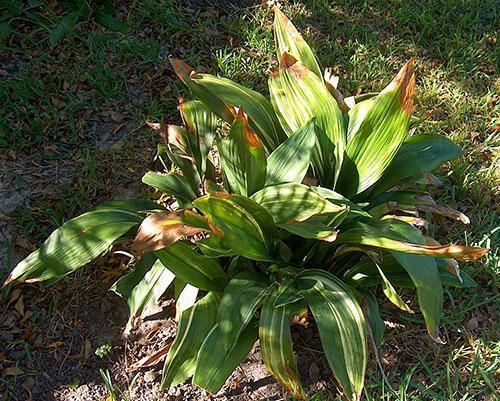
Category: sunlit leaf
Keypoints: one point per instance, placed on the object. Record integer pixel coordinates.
(418, 154)
(260, 111)
(288, 39)
(144, 286)
(290, 161)
(187, 74)
(242, 296)
(298, 95)
(342, 329)
(361, 233)
(216, 362)
(171, 184)
(79, 241)
(293, 202)
(245, 226)
(377, 128)
(201, 126)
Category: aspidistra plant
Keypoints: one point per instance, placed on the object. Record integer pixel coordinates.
(298, 208)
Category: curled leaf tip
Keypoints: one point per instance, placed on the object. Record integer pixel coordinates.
(405, 80)
(182, 69)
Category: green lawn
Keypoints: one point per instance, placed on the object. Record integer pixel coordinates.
(72, 130)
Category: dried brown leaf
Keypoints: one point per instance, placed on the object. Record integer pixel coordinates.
(154, 358)
(160, 230)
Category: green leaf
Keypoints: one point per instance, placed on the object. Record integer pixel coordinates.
(342, 329)
(194, 325)
(216, 362)
(293, 202)
(180, 152)
(372, 315)
(261, 115)
(245, 226)
(198, 270)
(290, 161)
(171, 184)
(276, 346)
(377, 128)
(242, 297)
(334, 197)
(201, 127)
(144, 286)
(185, 300)
(110, 22)
(288, 39)
(425, 275)
(287, 294)
(187, 75)
(242, 158)
(78, 241)
(391, 293)
(418, 154)
(298, 95)
(214, 247)
(316, 227)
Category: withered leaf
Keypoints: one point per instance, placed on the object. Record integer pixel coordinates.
(160, 230)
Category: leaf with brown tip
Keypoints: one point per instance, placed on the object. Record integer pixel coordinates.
(187, 74)
(160, 230)
(288, 40)
(377, 128)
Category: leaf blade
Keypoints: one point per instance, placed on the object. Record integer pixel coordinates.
(290, 161)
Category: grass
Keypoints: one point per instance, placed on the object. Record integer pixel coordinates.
(80, 107)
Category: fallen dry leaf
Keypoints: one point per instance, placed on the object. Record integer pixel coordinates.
(87, 349)
(153, 359)
(13, 371)
(19, 306)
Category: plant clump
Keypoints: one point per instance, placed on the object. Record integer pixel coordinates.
(297, 205)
